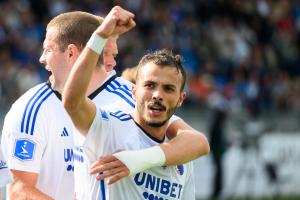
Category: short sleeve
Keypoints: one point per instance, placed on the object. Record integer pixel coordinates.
(23, 148)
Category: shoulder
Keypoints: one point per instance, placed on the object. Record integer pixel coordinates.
(109, 116)
(37, 93)
(25, 110)
(120, 115)
(124, 82)
(121, 91)
(120, 83)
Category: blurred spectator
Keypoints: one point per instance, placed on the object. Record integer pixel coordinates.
(249, 47)
(220, 107)
(130, 74)
(8, 79)
(27, 77)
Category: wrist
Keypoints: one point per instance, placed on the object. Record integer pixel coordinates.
(102, 32)
(96, 43)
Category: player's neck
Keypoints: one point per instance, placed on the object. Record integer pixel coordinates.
(155, 132)
(98, 77)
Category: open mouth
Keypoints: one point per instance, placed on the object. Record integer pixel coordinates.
(47, 68)
(156, 106)
(49, 72)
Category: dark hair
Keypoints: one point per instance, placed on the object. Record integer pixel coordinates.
(164, 58)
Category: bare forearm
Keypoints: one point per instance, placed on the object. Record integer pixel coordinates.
(75, 101)
(19, 190)
(74, 92)
(186, 146)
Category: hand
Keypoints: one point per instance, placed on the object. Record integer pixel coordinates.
(109, 167)
(117, 22)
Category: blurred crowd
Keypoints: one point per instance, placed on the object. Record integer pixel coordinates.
(247, 51)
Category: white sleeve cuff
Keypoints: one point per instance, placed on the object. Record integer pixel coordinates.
(96, 43)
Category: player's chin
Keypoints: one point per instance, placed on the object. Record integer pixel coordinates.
(156, 123)
(54, 83)
(52, 80)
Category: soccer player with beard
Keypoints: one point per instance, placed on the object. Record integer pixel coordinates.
(158, 92)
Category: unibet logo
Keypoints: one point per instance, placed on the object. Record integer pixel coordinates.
(69, 158)
(158, 185)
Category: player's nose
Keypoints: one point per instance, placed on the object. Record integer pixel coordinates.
(42, 58)
(157, 94)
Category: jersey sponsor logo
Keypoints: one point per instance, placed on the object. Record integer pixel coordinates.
(24, 149)
(120, 115)
(146, 195)
(32, 109)
(64, 132)
(179, 170)
(3, 164)
(78, 154)
(152, 185)
(69, 158)
(70, 168)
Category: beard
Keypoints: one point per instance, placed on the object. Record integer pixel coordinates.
(170, 112)
(156, 124)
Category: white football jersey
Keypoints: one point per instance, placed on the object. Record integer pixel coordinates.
(37, 138)
(114, 94)
(117, 130)
(5, 176)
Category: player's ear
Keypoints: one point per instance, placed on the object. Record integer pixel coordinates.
(73, 52)
(134, 91)
(181, 99)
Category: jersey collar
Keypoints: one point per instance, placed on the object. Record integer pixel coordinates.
(94, 94)
(148, 134)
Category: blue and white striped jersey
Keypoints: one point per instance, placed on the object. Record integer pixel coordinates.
(117, 130)
(37, 138)
(5, 176)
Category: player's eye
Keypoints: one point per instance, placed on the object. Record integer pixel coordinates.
(169, 89)
(47, 50)
(149, 85)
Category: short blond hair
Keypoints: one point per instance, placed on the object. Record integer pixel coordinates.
(74, 28)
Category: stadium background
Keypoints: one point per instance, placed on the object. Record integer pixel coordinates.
(242, 59)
